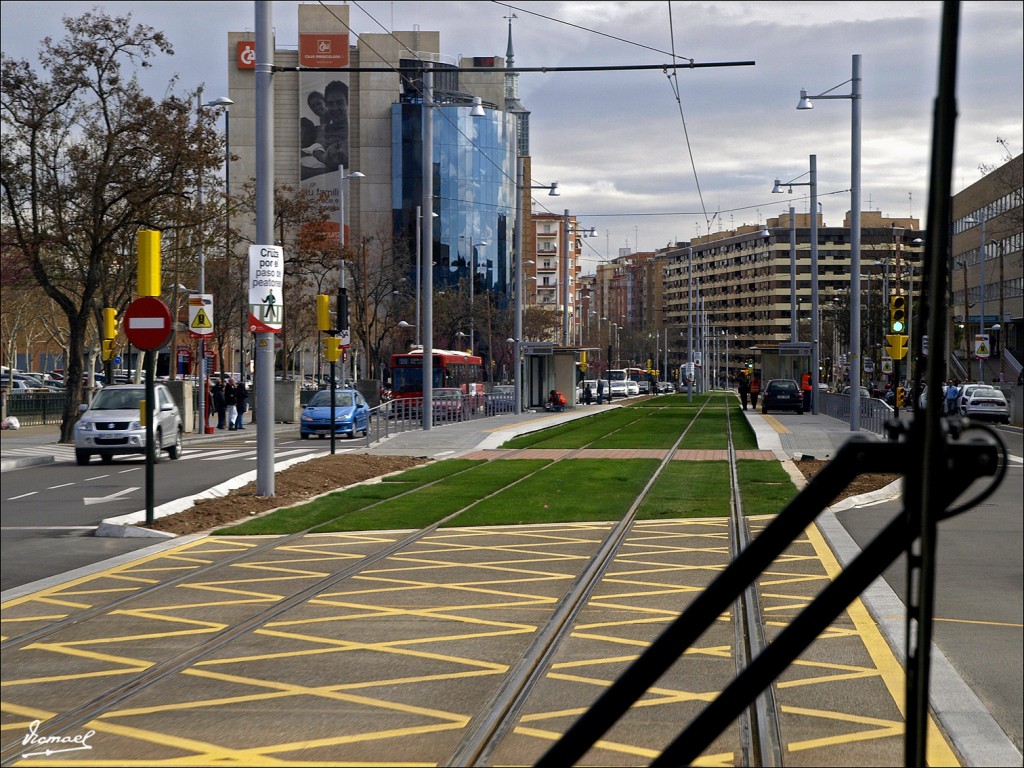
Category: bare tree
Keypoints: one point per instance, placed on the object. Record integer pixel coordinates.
(89, 159)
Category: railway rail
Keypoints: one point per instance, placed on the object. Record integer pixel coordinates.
(487, 735)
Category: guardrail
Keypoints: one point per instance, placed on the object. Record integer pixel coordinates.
(874, 413)
(403, 415)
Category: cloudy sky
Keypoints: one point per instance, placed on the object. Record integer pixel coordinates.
(642, 167)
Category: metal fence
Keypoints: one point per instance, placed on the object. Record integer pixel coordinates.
(874, 413)
(404, 415)
(35, 408)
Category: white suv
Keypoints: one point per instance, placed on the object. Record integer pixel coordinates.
(111, 425)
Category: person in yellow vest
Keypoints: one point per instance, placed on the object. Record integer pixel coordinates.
(755, 390)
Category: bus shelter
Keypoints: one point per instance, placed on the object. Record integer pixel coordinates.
(547, 366)
(785, 360)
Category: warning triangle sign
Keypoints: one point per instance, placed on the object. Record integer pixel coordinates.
(201, 321)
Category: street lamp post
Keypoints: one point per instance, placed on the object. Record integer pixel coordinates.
(689, 325)
(221, 102)
(520, 188)
(342, 316)
(855, 130)
(566, 232)
(813, 184)
(981, 284)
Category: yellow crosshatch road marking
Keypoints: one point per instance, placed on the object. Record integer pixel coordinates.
(939, 752)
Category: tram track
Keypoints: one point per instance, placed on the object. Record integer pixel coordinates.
(485, 730)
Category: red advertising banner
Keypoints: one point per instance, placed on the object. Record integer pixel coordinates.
(323, 50)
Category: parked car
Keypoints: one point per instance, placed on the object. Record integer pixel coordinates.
(351, 414)
(617, 388)
(501, 398)
(863, 392)
(964, 395)
(782, 395)
(21, 386)
(449, 403)
(112, 425)
(987, 403)
(666, 387)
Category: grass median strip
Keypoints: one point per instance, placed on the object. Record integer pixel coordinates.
(427, 506)
(575, 490)
(303, 516)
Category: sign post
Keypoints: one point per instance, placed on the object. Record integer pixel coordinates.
(147, 324)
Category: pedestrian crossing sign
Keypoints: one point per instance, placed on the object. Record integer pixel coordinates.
(200, 315)
(982, 349)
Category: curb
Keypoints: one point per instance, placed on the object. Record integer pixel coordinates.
(25, 461)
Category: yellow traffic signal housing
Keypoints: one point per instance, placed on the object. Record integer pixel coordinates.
(333, 349)
(108, 350)
(897, 313)
(901, 397)
(896, 345)
(323, 312)
(149, 263)
(109, 323)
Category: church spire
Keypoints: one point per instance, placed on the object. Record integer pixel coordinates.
(512, 104)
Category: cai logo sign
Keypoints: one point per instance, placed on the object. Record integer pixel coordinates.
(323, 50)
(245, 55)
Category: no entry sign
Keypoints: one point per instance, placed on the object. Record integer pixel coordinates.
(147, 323)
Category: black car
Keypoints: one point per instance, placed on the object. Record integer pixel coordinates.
(782, 395)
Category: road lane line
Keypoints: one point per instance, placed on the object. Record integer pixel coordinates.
(280, 454)
(62, 485)
(30, 493)
(234, 455)
(98, 477)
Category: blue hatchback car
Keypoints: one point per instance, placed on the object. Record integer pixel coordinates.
(351, 414)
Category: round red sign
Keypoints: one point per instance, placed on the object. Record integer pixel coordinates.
(147, 323)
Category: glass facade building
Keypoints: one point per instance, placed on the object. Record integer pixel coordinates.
(474, 192)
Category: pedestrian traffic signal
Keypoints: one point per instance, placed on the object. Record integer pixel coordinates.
(897, 313)
(109, 323)
(323, 312)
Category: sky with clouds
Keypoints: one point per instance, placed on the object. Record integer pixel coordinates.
(647, 159)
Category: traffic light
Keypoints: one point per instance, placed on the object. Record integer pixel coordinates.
(896, 345)
(901, 397)
(583, 362)
(108, 350)
(323, 312)
(109, 323)
(897, 313)
(332, 350)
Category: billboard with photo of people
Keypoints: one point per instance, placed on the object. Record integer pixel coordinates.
(323, 114)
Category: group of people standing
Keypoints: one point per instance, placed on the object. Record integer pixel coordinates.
(228, 401)
(749, 388)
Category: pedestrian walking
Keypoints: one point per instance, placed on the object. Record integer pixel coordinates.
(231, 403)
(600, 391)
(588, 395)
(952, 393)
(744, 388)
(219, 406)
(241, 405)
(755, 390)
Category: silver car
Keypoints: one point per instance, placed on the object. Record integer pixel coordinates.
(112, 425)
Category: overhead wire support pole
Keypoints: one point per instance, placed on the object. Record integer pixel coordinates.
(264, 383)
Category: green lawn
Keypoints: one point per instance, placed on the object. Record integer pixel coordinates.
(524, 491)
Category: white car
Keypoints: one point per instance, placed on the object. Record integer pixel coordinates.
(987, 403)
(112, 426)
(618, 388)
(632, 388)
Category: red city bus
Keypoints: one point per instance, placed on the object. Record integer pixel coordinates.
(451, 369)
